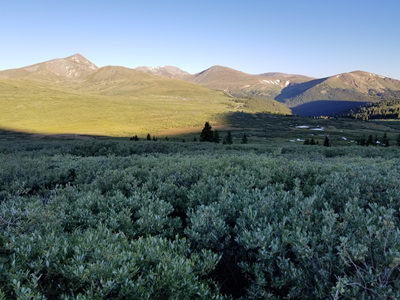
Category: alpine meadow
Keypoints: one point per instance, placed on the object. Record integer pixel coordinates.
(154, 183)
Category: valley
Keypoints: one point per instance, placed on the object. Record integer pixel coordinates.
(107, 192)
(74, 96)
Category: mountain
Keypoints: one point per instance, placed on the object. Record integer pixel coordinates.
(336, 93)
(164, 71)
(72, 68)
(73, 96)
(240, 84)
(386, 109)
(121, 81)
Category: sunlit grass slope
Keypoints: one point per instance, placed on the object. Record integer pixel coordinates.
(113, 101)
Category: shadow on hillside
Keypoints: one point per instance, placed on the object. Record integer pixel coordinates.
(230, 121)
(324, 107)
(294, 90)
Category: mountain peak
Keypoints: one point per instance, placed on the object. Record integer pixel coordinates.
(80, 59)
(164, 71)
(70, 68)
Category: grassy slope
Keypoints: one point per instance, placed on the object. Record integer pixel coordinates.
(240, 84)
(355, 86)
(112, 101)
(386, 109)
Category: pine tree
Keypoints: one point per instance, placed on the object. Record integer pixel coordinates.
(312, 142)
(244, 139)
(362, 141)
(398, 140)
(370, 140)
(216, 138)
(148, 137)
(154, 138)
(306, 142)
(166, 139)
(385, 140)
(327, 143)
(206, 134)
(228, 139)
(194, 139)
(136, 138)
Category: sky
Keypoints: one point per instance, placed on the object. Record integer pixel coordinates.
(317, 38)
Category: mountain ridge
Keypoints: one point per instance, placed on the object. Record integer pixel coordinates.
(73, 67)
(297, 92)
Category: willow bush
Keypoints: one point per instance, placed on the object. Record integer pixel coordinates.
(215, 222)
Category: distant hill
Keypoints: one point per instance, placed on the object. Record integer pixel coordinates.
(72, 68)
(176, 97)
(341, 90)
(164, 71)
(385, 109)
(304, 95)
(74, 96)
(121, 81)
(240, 84)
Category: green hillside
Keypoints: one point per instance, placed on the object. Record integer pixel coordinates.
(355, 86)
(111, 100)
(240, 84)
(386, 109)
(343, 90)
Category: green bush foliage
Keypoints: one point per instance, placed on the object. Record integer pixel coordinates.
(222, 221)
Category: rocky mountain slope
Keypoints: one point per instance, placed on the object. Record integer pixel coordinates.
(73, 96)
(304, 95)
(164, 71)
(240, 84)
(333, 94)
(72, 68)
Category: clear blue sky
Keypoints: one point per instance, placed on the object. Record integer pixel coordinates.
(312, 37)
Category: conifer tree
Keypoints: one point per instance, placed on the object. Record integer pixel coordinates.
(166, 139)
(228, 139)
(385, 140)
(362, 141)
(194, 139)
(398, 140)
(306, 142)
(136, 138)
(148, 137)
(216, 138)
(370, 140)
(244, 139)
(312, 142)
(327, 143)
(206, 134)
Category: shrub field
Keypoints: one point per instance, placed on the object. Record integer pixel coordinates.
(168, 220)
